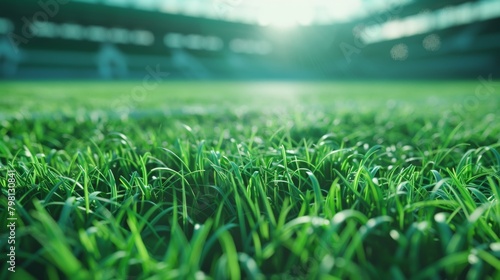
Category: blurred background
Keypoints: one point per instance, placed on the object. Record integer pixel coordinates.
(249, 39)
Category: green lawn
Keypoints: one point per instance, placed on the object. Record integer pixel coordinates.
(255, 180)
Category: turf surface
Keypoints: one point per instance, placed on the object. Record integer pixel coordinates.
(345, 180)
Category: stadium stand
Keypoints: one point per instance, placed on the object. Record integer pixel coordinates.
(227, 39)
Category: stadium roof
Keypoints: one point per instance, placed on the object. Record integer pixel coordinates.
(287, 13)
(264, 12)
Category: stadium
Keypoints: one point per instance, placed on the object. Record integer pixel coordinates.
(250, 139)
(232, 40)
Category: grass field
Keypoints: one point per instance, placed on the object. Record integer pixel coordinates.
(340, 180)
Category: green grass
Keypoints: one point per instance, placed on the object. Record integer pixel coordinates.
(353, 180)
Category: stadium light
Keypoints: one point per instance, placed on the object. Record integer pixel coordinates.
(422, 23)
(288, 14)
(278, 14)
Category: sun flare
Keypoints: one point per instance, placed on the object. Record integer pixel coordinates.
(286, 14)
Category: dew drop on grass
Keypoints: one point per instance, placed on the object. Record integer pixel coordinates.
(422, 225)
(371, 223)
(27, 153)
(495, 247)
(92, 230)
(257, 140)
(316, 221)
(440, 218)
(394, 234)
(473, 259)
(339, 218)
(407, 148)
(328, 261)
(200, 275)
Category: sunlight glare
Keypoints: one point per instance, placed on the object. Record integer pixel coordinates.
(288, 14)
